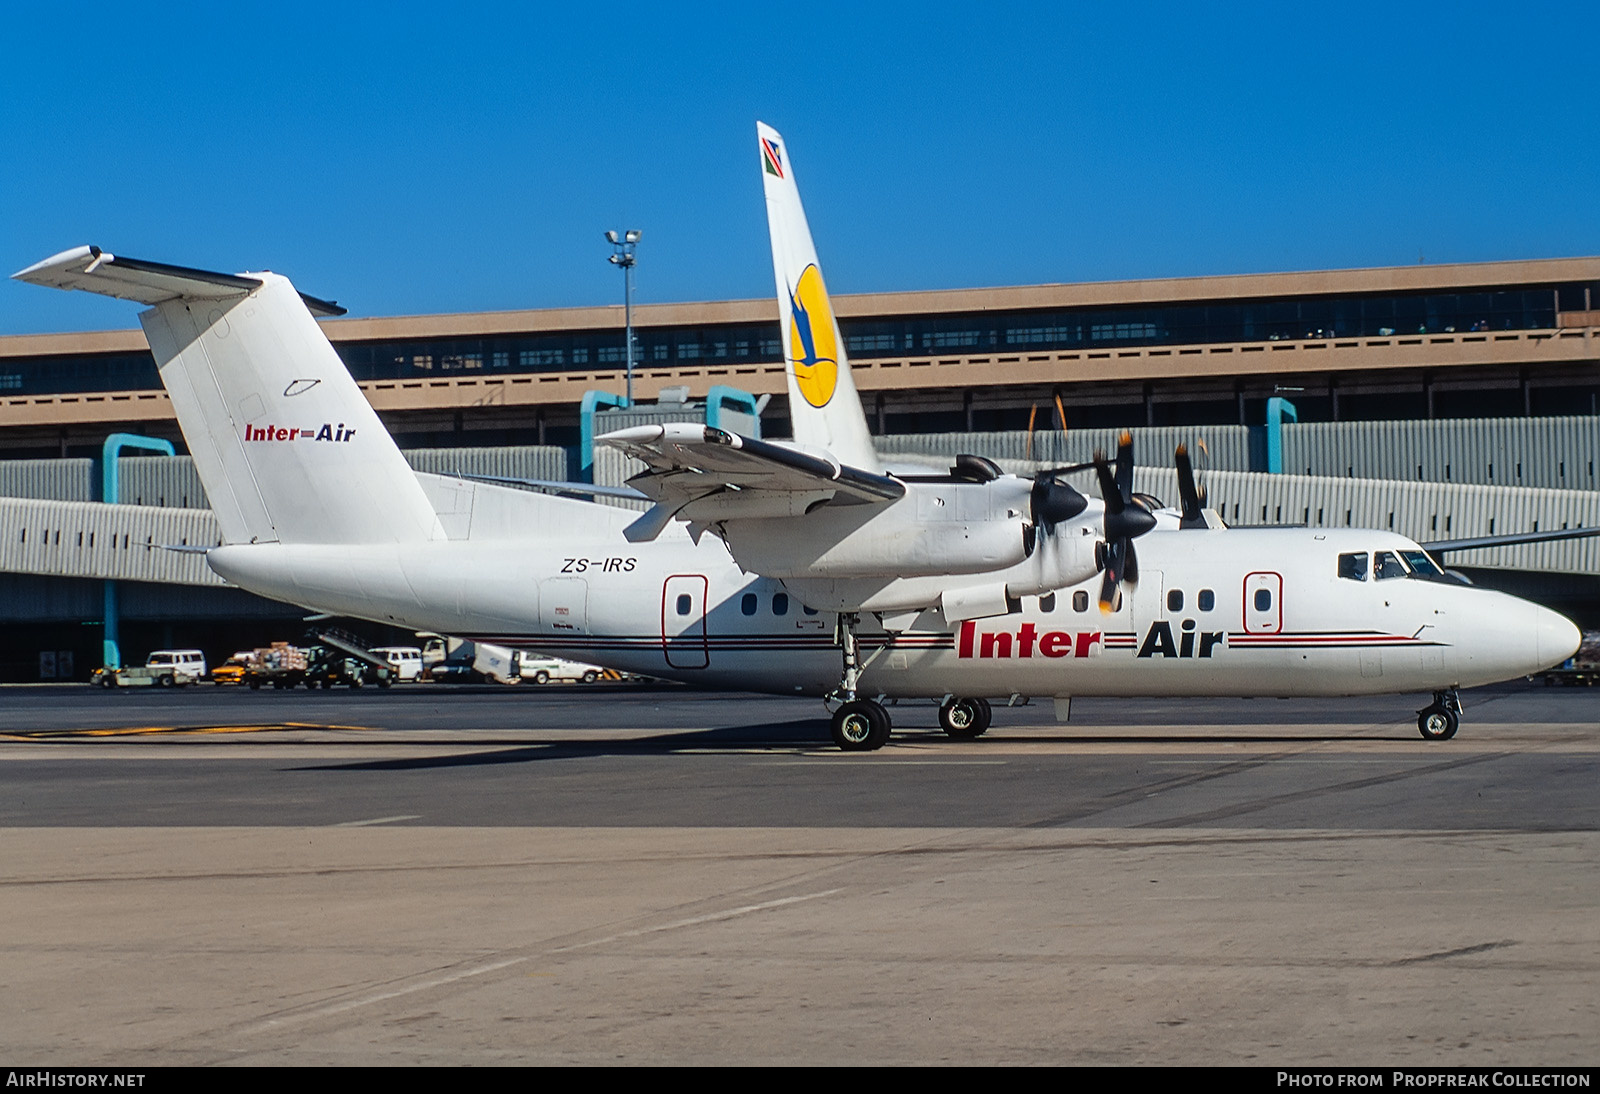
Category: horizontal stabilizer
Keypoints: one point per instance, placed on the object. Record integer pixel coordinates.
(93, 270)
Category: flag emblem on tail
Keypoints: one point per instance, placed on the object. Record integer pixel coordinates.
(813, 344)
(772, 157)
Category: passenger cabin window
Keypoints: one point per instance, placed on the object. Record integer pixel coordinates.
(780, 604)
(1386, 565)
(1207, 600)
(747, 604)
(1263, 600)
(1174, 600)
(684, 604)
(1353, 566)
(1047, 602)
(1080, 601)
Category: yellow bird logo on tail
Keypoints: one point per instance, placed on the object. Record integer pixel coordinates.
(813, 345)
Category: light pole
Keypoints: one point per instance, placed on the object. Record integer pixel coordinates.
(622, 245)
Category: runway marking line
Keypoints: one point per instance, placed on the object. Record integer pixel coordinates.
(697, 920)
(149, 731)
(378, 820)
(495, 966)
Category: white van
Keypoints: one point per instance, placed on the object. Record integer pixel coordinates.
(189, 663)
(543, 670)
(406, 661)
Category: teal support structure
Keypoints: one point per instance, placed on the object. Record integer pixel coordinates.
(721, 396)
(1279, 410)
(592, 401)
(111, 494)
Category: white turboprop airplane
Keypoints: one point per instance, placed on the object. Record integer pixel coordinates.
(962, 586)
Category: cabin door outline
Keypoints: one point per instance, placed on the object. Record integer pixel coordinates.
(684, 642)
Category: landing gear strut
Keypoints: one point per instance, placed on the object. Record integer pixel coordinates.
(1440, 720)
(860, 725)
(965, 719)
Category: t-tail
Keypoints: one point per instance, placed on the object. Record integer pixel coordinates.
(823, 404)
(288, 448)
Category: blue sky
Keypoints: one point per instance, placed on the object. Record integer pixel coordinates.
(406, 160)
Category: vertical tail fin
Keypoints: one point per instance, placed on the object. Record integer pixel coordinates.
(288, 448)
(823, 404)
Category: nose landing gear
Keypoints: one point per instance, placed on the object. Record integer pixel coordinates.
(1439, 720)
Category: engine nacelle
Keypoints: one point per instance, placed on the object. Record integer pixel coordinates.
(936, 528)
(1064, 557)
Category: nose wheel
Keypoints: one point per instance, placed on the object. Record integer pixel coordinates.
(965, 719)
(1439, 720)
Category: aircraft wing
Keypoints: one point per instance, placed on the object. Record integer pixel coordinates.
(1515, 539)
(703, 474)
(559, 487)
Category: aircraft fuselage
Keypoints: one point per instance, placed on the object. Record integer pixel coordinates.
(1236, 612)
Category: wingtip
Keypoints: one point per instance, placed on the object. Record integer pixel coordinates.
(64, 259)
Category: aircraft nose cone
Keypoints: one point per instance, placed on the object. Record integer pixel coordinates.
(1558, 639)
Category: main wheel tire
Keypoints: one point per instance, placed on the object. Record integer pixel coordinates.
(861, 726)
(965, 719)
(1436, 723)
(163, 681)
(541, 677)
(590, 677)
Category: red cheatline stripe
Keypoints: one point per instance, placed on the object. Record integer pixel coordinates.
(1313, 640)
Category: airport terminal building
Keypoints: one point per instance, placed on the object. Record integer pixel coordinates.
(1387, 363)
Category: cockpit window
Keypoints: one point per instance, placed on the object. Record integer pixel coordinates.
(1385, 566)
(1353, 566)
(1421, 564)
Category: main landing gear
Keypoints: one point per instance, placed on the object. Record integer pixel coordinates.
(1440, 720)
(965, 719)
(859, 725)
(862, 725)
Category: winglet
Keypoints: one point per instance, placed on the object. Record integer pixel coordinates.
(823, 404)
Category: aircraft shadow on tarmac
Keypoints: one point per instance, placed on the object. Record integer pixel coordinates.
(811, 735)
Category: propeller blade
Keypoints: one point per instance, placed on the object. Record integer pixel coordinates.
(1108, 486)
(1194, 497)
(1069, 469)
(1186, 487)
(1125, 464)
(1130, 567)
(1108, 592)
